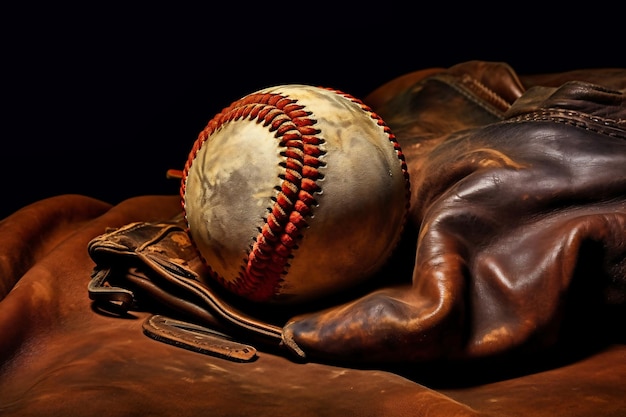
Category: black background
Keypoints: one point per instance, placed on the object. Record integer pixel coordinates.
(102, 100)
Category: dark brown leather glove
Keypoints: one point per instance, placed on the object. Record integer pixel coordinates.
(520, 201)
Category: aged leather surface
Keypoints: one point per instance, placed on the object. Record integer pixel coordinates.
(520, 201)
(469, 336)
(61, 358)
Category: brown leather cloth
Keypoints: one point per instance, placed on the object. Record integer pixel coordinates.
(61, 357)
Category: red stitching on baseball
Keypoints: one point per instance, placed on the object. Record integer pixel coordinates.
(268, 258)
(269, 255)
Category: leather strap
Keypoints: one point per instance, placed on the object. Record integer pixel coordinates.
(197, 338)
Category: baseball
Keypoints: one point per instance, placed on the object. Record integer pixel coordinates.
(293, 193)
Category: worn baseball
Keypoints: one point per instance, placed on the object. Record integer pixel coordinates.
(294, 193)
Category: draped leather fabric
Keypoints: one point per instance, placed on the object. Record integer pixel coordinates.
(517, 248)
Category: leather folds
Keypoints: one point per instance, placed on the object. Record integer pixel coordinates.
(519, 197)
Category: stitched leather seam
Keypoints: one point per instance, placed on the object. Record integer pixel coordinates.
(476, 92)
(604, 126)
(484, 92)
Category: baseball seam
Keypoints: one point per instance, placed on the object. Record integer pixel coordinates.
(267, 261)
